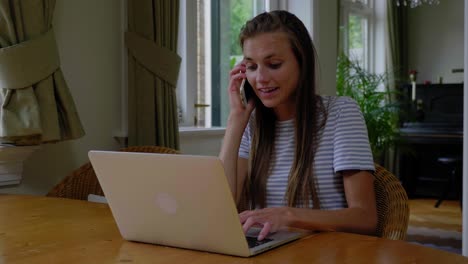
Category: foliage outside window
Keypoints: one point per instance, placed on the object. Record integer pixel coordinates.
(241, 11)
(355, 23)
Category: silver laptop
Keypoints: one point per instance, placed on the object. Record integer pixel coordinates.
(177, 200)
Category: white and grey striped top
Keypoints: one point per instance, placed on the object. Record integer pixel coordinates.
(343, 145)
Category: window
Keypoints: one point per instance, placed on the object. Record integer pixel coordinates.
(356, 31)
(208, 44)
(229, 16)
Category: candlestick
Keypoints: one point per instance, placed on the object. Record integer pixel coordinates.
(413, 91)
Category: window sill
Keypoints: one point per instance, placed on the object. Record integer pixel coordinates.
(204, 141)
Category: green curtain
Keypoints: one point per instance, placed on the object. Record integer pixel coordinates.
(397, 53)
(396, 60)
(36, 105)
(153, 67)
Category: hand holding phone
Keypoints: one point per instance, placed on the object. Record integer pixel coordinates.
(246, 92)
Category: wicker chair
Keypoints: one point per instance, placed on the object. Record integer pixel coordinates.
(392, 205)
(83, 181)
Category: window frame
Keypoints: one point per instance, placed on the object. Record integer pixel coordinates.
(364, 9)
(186, 90)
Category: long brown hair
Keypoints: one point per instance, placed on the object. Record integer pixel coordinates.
(309, 120)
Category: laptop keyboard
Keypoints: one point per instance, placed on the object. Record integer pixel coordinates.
(253, 242)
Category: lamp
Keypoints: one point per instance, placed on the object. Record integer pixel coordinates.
(416, 3)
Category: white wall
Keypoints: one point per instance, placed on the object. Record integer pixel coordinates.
(326, 38)
(88, 34)
(321, 19)
(436, 41)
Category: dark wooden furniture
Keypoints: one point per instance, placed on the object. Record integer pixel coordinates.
(431, 128)
(454, 181)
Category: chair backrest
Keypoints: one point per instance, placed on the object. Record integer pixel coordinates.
(392, 205)
(83, 181)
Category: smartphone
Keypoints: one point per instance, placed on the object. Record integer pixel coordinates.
(246, 92)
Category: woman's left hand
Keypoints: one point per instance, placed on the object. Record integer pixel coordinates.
(270, 219)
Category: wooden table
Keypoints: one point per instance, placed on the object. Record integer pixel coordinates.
(37, 229)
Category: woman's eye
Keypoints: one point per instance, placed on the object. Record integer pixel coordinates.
(251, 67)
(275, 65)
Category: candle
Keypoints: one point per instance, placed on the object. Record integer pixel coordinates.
(413, 91)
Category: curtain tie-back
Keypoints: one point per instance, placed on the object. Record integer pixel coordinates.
(159, 60)
(28, 62)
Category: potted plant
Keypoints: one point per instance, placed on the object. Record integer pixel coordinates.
(369, 91)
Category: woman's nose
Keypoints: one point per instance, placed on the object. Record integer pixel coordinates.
(262, 75)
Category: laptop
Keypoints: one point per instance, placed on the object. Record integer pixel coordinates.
(179, 201)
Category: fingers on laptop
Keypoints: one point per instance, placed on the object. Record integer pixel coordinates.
(265, 231)
(258, 218)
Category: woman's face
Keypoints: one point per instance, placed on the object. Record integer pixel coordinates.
(273, 72)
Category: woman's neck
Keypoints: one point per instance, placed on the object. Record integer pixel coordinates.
(285, 113)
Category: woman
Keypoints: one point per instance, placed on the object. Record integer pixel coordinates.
(298, 159)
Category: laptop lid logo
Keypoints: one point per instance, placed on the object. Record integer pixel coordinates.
(166, 203)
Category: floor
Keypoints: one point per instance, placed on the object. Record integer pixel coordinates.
(438, 228)
(448, 216)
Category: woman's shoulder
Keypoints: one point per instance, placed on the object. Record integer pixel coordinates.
(338, 103)
(338, 99)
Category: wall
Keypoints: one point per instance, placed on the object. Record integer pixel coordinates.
(326, 38)
(435, 41)
(321, 19)
(88, 33)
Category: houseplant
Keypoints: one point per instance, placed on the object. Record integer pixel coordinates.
(369, 91)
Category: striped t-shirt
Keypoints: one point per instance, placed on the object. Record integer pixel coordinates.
(343, 145)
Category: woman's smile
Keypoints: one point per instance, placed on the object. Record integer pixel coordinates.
(267, 92)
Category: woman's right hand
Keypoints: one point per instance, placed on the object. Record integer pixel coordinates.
(235, 168)
(238, 111)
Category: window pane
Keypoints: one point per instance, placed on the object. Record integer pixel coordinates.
(231, 16)
(241, 11)
(357, 39)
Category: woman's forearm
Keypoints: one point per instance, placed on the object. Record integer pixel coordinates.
(229, 154)
(355, 220)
